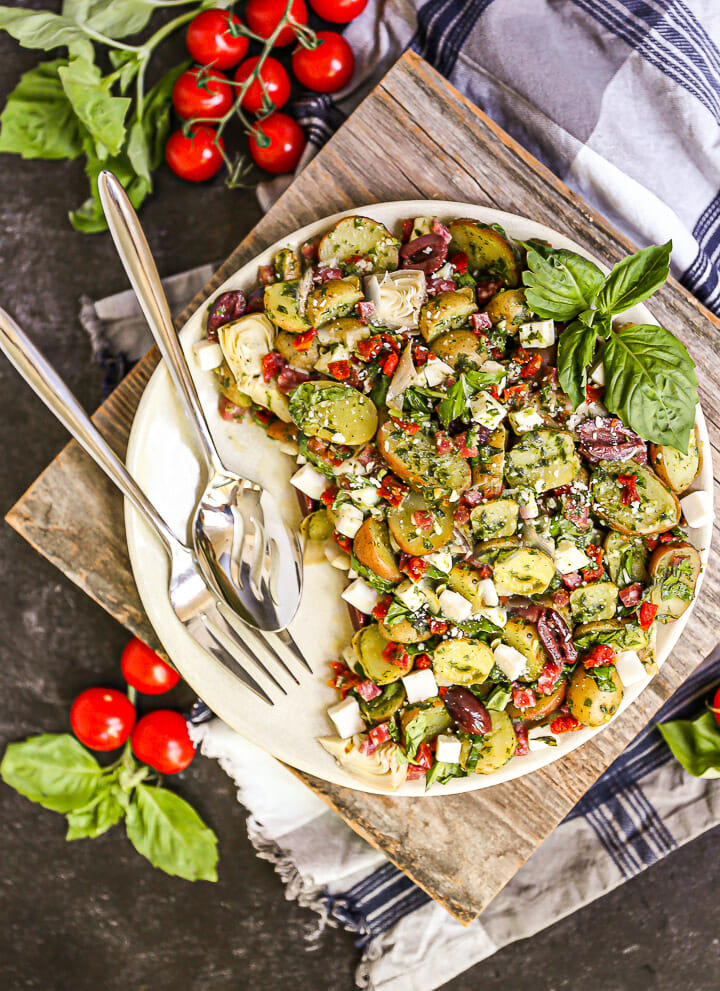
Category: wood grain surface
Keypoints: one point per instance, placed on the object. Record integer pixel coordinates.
(413, 137)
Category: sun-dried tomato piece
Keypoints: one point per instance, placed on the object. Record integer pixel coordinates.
(459, 261)
(629, 491)
(599, 656)
(413, 567)
(523, 698)
(565, 724)
(422, 661)
(647, 614)
(393, 490)
(339, 369)
(396, 654)
(631, 595)
(303, 342)
(423, 763)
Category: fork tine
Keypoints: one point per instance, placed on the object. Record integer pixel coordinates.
(254, 635)
(286, 638)
(218, 620)
(222, 654)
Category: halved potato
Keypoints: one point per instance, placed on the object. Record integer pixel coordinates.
(591, 705)
(676, 469)
(403, 632)
(371, 240)
(525, 571)
(334, 412)
(413, 539)
(490, 255)
(304, 360)
(542, 460)
(488, 551)
(674, 570)
(459, 661)
(489, 466)
(508, 309)
(287, 264)
(281, 306)
(497, 518)
(523, 636)
(658, 509)
(464, 579)
(545, 705)
(422, 723)
(369, 644)
(456, 344)
(445, 311)
(333, 299)
(415, 459)
(497, 747)
(594, 602)
(371, 546)
(626, 558)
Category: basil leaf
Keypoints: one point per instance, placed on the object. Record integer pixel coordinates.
(635, 278)
(561, 284)
(53, 770)
(156, 117)
(442, 773)
(603, 677)
(98, 110)
(38, 120)
(89, 218)
(97, 816)
(455, 402)
(169, 832)
(650, 383)
(116, 19)
(498, 698)
(40, 28)
(695, 743)
(576, 346)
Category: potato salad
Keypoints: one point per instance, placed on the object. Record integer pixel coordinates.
(510, 518)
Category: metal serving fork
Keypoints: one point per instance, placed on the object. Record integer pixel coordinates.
(245, 550)
(194, 601)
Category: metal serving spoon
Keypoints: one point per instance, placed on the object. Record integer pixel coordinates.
(244, 548)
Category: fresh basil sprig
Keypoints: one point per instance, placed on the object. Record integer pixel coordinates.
(58, 773)
(650, 379)
(695, 743)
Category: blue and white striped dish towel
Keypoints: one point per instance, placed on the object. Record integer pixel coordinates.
(621, 99)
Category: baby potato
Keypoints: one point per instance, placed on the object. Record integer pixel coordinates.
(545, 706)
(454, 344)
(509, 308)
(497, 747)
(304, 360)
(674, 570)
(590, 705)
(371, 546)
(676, 469)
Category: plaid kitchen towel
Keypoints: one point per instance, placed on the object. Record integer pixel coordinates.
(621, 99)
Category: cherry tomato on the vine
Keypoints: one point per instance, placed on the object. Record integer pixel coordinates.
(276, 143)
(327, 68)
(202, 92)
(145, 671)
(210, 39)
(716, 706)
(196, 157)
(102, 718)
(275, 78)
(338, 11)
(263, 16)
(161, 740)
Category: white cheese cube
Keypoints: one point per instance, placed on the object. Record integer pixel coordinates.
(454, 606)
(349, 520)
(347, 717)
(529, 509)
(361, 595)
(488, 592)
(411, 596)
(630, 668)
(442, 560)
(697, 509)
(539, 334)
(598, 374)
(494, 367)
(209, 355)
(435, 372)
(494, 614)
(337, 558)
(568, 557)
(540, 738)
(420, 685)
(364, 497)
(310, 481)
(510, 661)
(526, 419)
(448, 749)
(486, 411)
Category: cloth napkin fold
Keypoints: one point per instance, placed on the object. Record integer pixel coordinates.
(622, 101)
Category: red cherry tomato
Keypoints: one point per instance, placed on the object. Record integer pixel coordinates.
(327, 68)
(276, 143)
(197, 157)
(102, 718)
(716, 706)
(202, 92)
(338, 11)
(210, 39)
(263, 16)
(161, 740)
(145, 671)
(275, 78)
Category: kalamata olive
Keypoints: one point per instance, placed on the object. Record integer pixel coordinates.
(607, 439)
(468, 711)
(426, 253)
(256, 300)
(556, 637)
(226, 308)
(434, 286)
(485, 291)
(324, 274)
(527, 610)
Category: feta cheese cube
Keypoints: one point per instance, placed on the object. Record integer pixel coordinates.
(526, 419)
(365, 497)
(529, 509)
(349, 520)
(454, 606)
(538, 334)
(510, 661)
(420, 685)
(630, 667)
(488, 592)
(486, 411)
(411, 596)
(310, 481)
(347, 717)
(337, 558)
(209, 355)
(540, 738)
(598, 374)
(442, 560)
(361, 595)
(697, 509)
(448, 749)
(494, 614)
(568, 557)
(435, 372)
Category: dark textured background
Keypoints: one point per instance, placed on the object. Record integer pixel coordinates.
(93, 914)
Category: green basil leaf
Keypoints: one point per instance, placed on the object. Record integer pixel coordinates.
(98, 110)
(442, 773)
(147, 137)
(38, 120)
(89, 218)
(695, 743)
(53, 770)
(560, 284)
(97, 816)
(576, 346)
(650, 383)
(40, 28)
(635, 278)
(169, 832)
(128, 62)
(116, 19)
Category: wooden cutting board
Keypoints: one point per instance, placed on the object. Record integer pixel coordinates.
(415, 136)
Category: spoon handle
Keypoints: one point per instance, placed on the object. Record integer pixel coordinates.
(139, 264)
(45, 381)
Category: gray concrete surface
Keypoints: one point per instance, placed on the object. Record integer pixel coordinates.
(93, 914)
